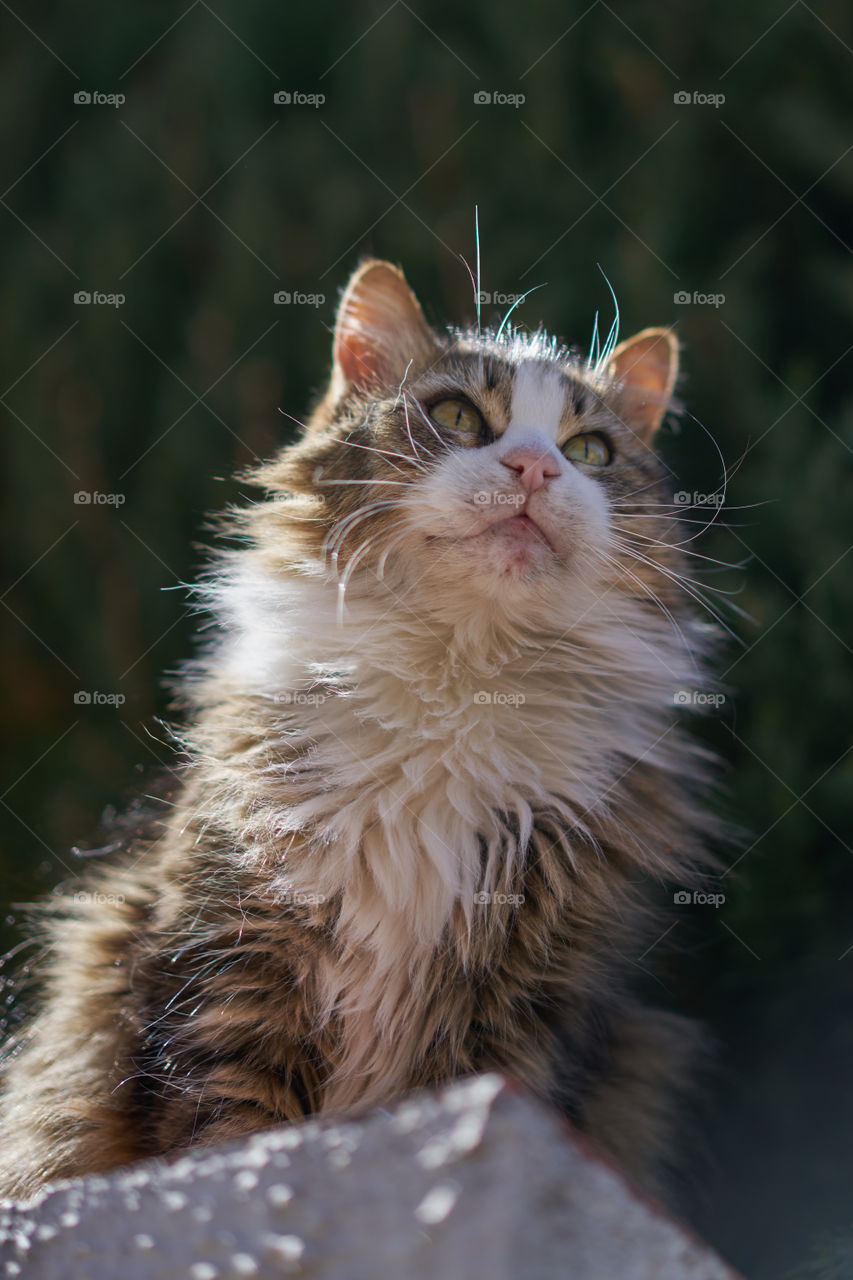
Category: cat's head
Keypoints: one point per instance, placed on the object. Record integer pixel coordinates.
(470, 469)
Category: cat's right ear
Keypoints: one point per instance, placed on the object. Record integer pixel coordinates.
(380, 328)
(644, 370)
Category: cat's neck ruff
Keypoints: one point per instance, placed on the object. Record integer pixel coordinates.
(431, 746)
(597, 652)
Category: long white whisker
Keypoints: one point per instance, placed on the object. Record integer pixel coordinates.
(660, 542)
(380, 568)
(647, 591)
(363, 550)
(517, 303)
(339, 531)
(298, 421)
(694, 591)
(402, 381)
(431, 425)
(613, 335)
(401, 484)
(409, 431)
(624, 545)
(386, 453)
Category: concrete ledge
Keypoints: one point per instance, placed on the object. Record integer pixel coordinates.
(473, 1181)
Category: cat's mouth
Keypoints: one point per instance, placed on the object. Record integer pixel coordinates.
(521, 528)
(519, 535)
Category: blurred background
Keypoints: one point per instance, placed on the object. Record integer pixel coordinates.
(702, 157)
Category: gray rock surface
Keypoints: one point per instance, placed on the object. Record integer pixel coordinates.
(476, 1181)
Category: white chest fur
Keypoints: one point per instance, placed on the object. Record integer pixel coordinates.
(418, 760)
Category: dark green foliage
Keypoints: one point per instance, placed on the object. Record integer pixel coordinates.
(692, 197)
(832, 1259)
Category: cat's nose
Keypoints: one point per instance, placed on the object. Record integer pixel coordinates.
(534, 466)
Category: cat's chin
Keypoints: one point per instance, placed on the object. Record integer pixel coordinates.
(515, 546)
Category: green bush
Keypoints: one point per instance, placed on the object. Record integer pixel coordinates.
(199, 197)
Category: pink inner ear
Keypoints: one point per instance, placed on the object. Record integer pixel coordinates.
(380, 327)
(359, 362)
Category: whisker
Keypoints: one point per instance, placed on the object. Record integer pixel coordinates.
(400, 387)
(673, 573)
(695, 591)
(517, 303)
(363, 550)
(298, 421)
(613, 335)
(402, 484)
(697, 555)
(386, 453)
(340, 530)
(409, 431)
(430, 424)
(676, 507)
(652, 595)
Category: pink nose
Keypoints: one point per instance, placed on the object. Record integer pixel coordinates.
(534, 466)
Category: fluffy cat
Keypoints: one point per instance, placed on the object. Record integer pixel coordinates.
(431, 775)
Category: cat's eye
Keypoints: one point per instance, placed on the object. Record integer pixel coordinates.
(458, 415)
(588, 448)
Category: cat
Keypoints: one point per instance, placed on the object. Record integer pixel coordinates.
(432, 775)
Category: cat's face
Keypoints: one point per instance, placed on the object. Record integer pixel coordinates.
(478, 468)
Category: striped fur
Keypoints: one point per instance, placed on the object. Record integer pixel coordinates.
(430, 777)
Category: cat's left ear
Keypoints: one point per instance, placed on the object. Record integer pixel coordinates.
(380, 328)
(644, 369)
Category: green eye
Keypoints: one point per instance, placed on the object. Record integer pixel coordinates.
(457, 415)
(589, 448)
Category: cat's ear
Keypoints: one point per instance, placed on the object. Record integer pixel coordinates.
(380, 328)
(644, 369)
